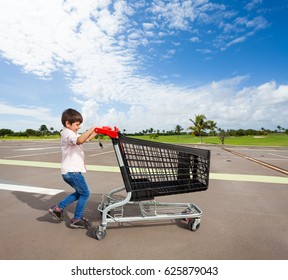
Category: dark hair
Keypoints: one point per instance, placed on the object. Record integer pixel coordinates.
(71, 116)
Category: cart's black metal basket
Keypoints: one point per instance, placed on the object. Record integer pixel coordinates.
(151, 169)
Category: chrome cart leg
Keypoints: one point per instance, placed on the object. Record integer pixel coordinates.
(100, 232)
(107, 199)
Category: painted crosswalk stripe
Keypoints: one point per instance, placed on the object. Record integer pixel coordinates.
(29, 189)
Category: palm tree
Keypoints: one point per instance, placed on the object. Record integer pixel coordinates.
(200, 125)
(178, 129)
(211, 125)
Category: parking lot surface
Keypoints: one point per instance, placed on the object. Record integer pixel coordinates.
(244, 209)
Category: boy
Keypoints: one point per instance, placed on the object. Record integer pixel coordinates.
(72, 168)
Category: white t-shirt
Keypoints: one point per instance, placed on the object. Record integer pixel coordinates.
(72, 154)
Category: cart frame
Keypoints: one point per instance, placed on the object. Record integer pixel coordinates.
(150, 169)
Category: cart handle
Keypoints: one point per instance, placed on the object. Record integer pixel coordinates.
(107, 130)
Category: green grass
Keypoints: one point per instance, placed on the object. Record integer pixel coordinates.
(273, 139)
(50, 137)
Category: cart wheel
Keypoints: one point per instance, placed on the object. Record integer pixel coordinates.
(193, 224)
(99, 234)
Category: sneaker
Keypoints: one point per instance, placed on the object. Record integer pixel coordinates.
(81, 223)
(57, 214)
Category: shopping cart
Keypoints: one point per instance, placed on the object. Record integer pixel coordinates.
(150, 169)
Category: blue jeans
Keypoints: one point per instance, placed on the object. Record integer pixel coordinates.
(77, 181)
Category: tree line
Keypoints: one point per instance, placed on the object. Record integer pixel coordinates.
(41, 132)
(200, 127)
(203, 127)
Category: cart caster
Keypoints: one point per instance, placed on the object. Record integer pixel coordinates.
(193, 224)
(99, 234)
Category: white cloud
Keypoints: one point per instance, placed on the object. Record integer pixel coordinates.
(27, 116)
(204, 51)
(195, 39)
(239, 31)
(148, 26)
(164, 106)
(41, 113)
(253, 4)
(95, 44)
(180, 15)
(236, 41)
(257, 23)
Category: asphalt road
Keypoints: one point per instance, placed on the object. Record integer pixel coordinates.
(244, 209)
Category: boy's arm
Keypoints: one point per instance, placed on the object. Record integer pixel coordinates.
(92, 135)
(86, 135)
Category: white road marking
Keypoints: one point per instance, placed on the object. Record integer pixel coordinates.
(37, 149)
(29, 189)
(33, 155)
(277, 155)
(101, 153)
(259, 150)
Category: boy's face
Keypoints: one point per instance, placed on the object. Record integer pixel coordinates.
(74, 126)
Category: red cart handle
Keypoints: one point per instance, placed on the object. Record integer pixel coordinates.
(107, 130)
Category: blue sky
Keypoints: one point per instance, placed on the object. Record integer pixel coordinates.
(142, 64)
